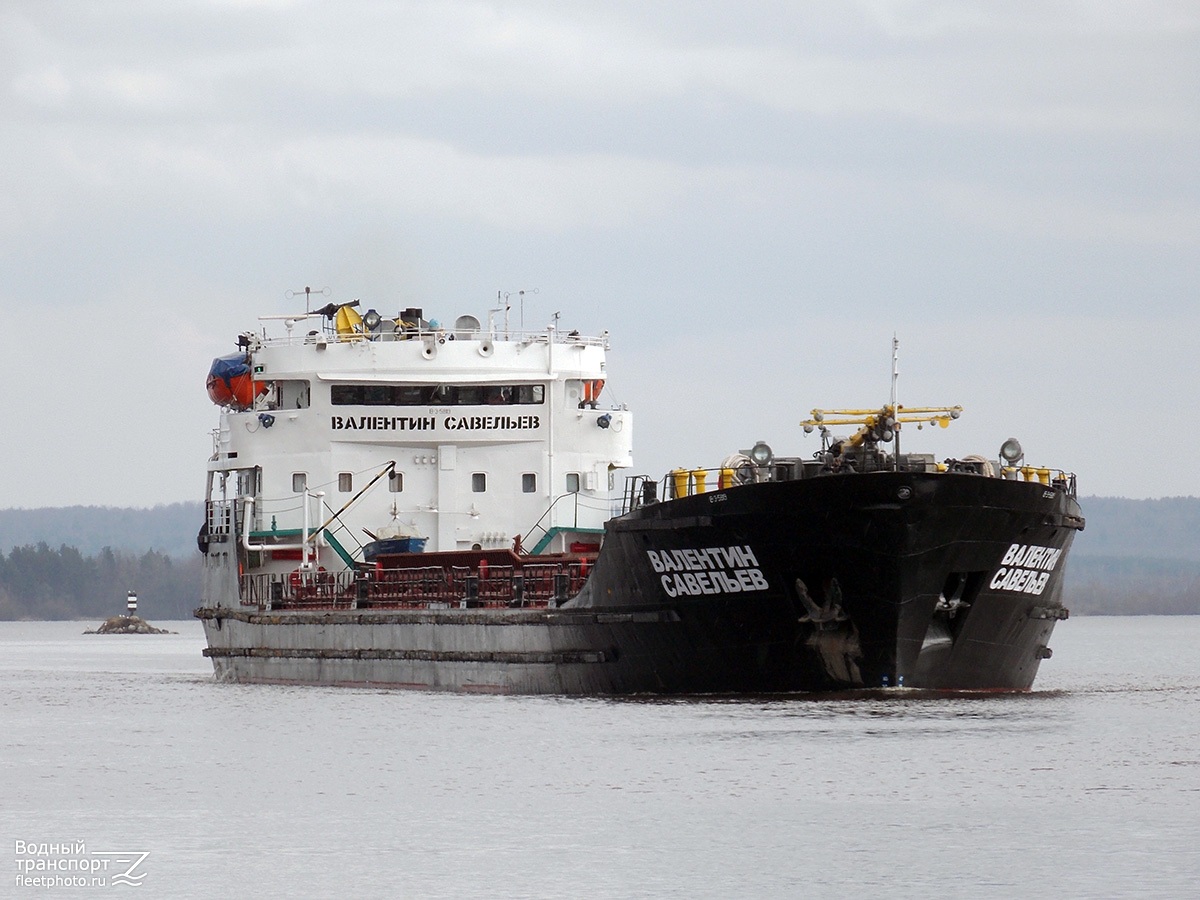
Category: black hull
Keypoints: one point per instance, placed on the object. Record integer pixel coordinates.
(940, 581)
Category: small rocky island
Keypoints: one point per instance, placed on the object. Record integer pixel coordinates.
(128, 625)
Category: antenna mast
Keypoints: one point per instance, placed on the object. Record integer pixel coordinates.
(508, 306)
(895, 413)
(308, 292)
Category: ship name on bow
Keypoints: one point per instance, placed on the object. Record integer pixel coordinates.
(1026, 568)
(715, 570)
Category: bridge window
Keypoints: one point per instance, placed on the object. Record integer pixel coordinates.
(345, 482)
(299, 482)
(378, 395)
(479, 482)
(436, 395)
(529, 482)
(396, 482)
(572, 482)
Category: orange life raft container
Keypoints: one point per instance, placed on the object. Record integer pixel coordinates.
(231, 383)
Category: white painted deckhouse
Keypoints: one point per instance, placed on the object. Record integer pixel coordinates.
(339, 429)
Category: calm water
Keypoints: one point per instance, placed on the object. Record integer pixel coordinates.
(1089, 787)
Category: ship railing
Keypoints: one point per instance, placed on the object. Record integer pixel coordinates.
(300, 590)
(532, 584)
(1064, 481)
(299, 333)
(255, 590)
(547, 531)
(641, 489)
(494, 585)
(543, 582)
(686, 482)
(413, 588)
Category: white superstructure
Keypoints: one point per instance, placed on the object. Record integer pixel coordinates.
(494, 436)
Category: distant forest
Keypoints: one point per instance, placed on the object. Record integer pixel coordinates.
(170, 528)
(40, 582)
(1136, 557)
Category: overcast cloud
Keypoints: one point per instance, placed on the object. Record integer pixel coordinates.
(752, 198)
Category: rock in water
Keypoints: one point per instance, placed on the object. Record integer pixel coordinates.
(128, 625)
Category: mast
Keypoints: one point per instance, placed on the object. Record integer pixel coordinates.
(895, 409)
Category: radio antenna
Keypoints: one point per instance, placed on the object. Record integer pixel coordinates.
(308, 292)
(895, 408)
(521, 300)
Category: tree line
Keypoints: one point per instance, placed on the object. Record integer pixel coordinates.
(169, 528)
(1121, 586)
(41, 582)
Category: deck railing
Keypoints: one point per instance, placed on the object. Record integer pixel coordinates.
(641, 489)
(425, 587)
(306, 328)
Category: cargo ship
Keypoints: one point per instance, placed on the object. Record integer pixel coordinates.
(395, 501)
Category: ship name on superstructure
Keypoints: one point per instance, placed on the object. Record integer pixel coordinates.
(432, 423)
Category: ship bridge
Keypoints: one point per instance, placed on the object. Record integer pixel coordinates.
(336, 426)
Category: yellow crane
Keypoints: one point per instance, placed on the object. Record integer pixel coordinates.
(880, 425)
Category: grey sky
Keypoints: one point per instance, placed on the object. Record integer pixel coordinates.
(751, 197)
